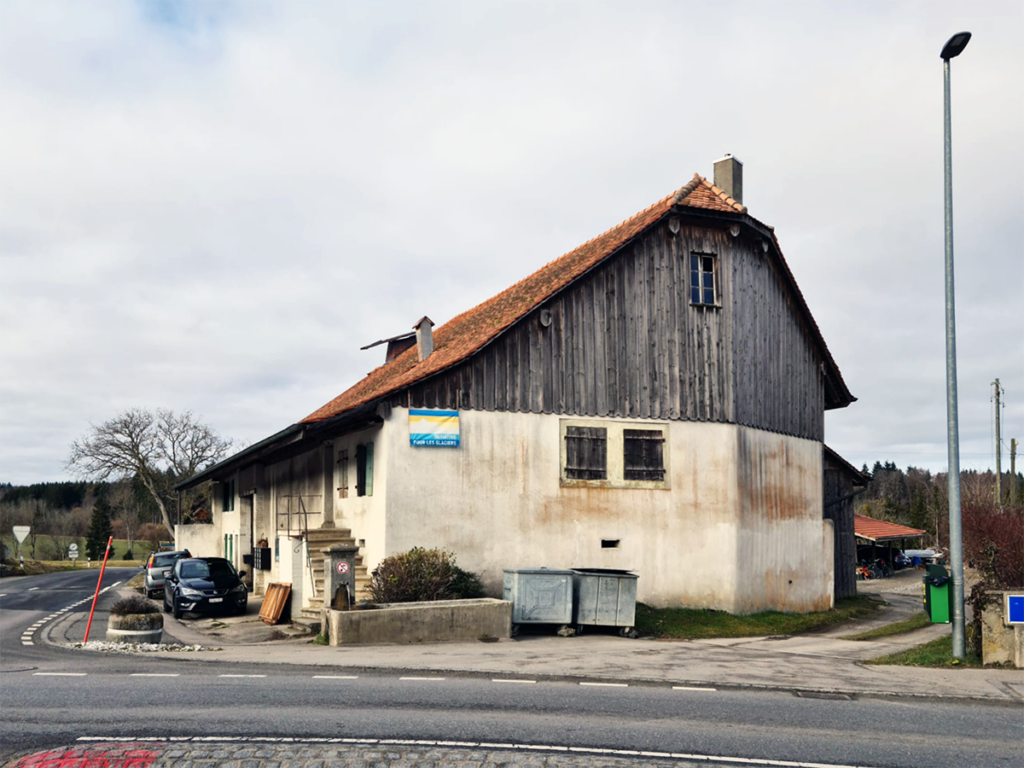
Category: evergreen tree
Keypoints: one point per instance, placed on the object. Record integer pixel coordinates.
(100, 530)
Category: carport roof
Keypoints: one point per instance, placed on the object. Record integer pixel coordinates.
(879, 530)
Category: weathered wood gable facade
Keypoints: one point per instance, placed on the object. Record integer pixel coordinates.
(624, 340)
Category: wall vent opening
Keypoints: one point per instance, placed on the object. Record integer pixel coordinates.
(609, 543)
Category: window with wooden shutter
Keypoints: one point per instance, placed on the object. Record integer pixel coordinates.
(364, 470)
(586, 453)
(643, 454)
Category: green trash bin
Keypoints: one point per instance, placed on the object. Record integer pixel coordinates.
(938, 595)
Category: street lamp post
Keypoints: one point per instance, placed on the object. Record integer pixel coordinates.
(953, 48)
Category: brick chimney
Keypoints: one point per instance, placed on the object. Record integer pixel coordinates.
(424, 337)
(729, 177)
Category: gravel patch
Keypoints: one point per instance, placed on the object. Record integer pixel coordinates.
(102, 645)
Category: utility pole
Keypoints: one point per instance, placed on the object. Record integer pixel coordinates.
(999, 451)
(1013, 470)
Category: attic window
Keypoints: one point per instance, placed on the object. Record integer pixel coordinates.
(703, 271)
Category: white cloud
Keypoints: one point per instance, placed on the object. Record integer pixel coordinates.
(213, 206)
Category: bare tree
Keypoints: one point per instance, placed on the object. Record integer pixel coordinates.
(160, 448)
(126, 507)
(61, 525)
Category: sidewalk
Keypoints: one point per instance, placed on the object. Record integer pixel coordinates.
(813, 663)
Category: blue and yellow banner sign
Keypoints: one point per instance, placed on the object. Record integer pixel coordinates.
(434, 429)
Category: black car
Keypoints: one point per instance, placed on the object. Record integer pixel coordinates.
(204, 584)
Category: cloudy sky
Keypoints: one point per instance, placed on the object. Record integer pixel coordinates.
(211, 206)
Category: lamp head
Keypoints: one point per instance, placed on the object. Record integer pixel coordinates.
(955, 45)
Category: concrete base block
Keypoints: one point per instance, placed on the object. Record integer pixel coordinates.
(441, 621)
(1001, 643)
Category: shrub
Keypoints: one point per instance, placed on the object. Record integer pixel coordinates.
(422, 575)
(993, 541)
(133, 604)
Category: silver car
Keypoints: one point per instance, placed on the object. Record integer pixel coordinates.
(156, 565)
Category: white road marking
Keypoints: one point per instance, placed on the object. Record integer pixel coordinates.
(32, 589)
(335, 677)
(60, 674)
(607, 685)
(477, 745)
(497, 680)
(688, 688)
(241, 675)
(153, 674)
(421, 678)
(27, 643)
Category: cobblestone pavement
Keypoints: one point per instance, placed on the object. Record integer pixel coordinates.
(321, 755)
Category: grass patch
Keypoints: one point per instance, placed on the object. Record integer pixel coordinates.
(937, 653)
(138, 581)
(320, 639)
(917, 621)
(691, 624)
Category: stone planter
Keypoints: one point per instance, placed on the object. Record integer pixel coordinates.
(436, 622)
(135, 628)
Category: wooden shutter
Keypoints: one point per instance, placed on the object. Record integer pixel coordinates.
(586, 453)
(644, 454)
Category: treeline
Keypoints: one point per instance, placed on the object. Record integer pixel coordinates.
(60, 513)
(920, 499)
(992, 527)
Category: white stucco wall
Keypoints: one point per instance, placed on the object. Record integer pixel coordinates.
(364, 516)
(713, 539)
(202, 540)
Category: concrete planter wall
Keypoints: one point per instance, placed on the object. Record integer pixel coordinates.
(135, 628)
(1001, 643)
(441, 621)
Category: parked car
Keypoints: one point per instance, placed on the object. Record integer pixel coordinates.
(204, 585)
(156, 565)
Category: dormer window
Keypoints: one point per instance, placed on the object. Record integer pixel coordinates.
(703, 280)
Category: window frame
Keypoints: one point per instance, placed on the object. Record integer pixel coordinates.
(227, 496)
(615, 459)
(699, 275)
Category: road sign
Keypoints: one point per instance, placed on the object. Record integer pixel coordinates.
(1014, 609)
(72, 547)
(341, 567)
(21, 531)
(73, 554)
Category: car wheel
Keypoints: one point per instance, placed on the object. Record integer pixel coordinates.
(167, 608)
(240, 610)
(176, 609)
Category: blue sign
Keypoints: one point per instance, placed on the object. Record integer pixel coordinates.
(1015, 609)
(436, 429)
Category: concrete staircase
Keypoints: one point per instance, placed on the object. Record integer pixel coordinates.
(324, 538)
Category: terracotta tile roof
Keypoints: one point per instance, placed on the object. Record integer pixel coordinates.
(467, 333)
(878, 530)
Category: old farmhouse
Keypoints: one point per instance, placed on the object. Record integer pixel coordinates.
(653, 400)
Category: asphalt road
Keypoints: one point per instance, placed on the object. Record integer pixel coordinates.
(52, 696)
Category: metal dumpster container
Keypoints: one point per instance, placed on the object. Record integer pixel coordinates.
(538, 596)
(604, 597)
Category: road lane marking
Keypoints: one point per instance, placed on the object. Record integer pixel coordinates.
(60, 674)
(498, 680)
(32, 589)
(607, 685)
(335, 677)
(27, 643)
(241, 675)
(688, 688)
(153, 674)
(421, 678)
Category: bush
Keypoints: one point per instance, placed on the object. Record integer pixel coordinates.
(993, 541)
(133, 604)
(422, 575)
